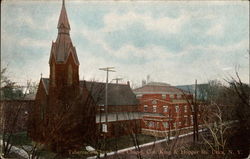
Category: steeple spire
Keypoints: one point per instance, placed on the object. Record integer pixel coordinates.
(63, 47)
(63, 23)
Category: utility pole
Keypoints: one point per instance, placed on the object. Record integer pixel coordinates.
(249, 68)
(249, 75)
(196, 113)
(195, 120)
(107, 69)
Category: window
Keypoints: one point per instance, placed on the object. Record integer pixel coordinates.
(186, 122)
(151, 124)
(165, 109)
(185, 108)
(154, 102)
(157, 125)
(179, 123)
(145, 108)
(53, 75)
(177, 108)
(104, 128)
(179, 96)
(192, 108)
(163, 96)
(70, 75)
(138, 95)
(192, 119)
(174, 124)
(154, 108)
(165, 124)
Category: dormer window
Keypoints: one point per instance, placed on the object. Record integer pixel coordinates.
(154, 102)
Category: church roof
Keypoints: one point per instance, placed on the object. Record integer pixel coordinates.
(45, 82)
(118, 94)
(63, 46)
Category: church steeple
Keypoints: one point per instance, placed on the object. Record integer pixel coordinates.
(63, 47)
(64, 64)
(63, 23)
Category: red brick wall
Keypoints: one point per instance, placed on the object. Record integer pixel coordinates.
(157, 100)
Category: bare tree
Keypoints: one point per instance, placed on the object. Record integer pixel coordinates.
(10, 117)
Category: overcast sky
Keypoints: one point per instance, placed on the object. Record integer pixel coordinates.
(173, 42)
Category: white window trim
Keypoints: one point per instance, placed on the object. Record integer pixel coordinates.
(185, 108)
(165, 108)
(104, 128)
(177, 106)
(154, 108)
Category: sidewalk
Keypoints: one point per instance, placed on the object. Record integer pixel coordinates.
(143, 145)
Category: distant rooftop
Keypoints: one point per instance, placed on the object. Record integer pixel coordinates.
(158, 88)
(157, 84)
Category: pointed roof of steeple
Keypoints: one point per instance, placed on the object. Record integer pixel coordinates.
(63, 19)
(63, 46)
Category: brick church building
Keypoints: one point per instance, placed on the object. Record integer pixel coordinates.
(69, 112)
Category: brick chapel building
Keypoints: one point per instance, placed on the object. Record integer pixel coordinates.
(67, 108)
(63, 107)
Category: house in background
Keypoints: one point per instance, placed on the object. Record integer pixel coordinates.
(164, 108)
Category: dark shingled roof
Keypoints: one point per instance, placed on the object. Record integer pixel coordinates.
(46, 84)
(118, 94)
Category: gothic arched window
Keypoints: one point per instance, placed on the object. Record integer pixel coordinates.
(53, 76)
(70, 75)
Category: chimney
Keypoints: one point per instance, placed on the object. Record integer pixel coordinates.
(128, 83)
(143, 82)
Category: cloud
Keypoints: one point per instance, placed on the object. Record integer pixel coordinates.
(227, 68)
(29, 42)
(216, 30)
(205, 50)
(114, 21)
